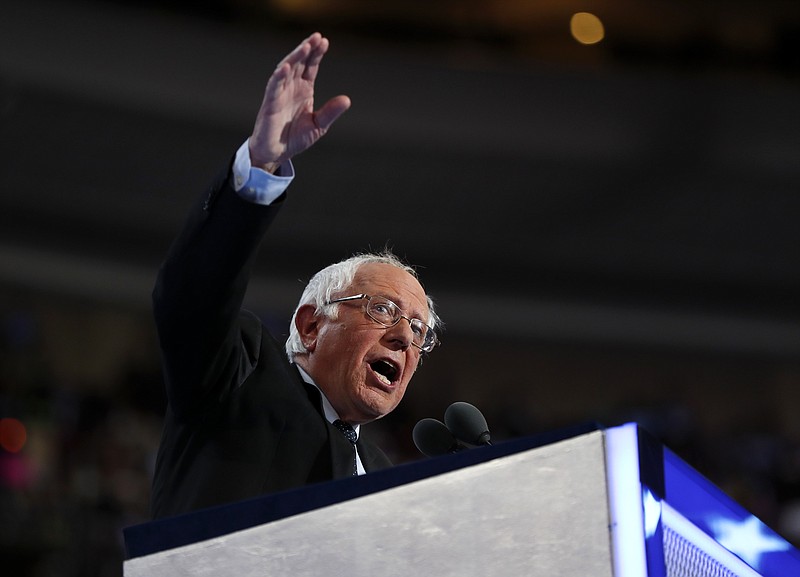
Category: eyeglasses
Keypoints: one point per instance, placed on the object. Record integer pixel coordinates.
(386, 313)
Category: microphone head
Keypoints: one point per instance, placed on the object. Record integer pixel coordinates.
(433, 438)
(467, 423)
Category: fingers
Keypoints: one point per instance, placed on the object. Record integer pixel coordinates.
(314, 58)
(299, 67)
(287, 123)
(302, 50)
(303, 61)
(278, 79)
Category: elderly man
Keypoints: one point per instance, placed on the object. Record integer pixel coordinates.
(247, 416)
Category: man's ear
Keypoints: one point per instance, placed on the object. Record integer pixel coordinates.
(307, 323)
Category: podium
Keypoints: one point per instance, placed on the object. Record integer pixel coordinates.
(582, 502)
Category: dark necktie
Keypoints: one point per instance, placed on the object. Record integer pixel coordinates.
(351, 436)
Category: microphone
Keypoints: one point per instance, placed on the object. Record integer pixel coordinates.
(433, 438)
(467, 423)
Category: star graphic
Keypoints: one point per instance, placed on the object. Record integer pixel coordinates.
(652, 512)
(746, 539)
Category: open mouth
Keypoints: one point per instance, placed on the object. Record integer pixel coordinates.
(385, 371)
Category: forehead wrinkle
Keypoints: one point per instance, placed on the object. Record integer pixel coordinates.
(368, 280)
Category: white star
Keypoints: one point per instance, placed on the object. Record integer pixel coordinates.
(746, 539)
(652, 513)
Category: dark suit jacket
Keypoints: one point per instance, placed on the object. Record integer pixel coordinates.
(240, 420)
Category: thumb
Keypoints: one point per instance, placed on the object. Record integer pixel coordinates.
(330, 111)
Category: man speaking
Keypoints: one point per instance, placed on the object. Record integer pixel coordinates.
(247, 415)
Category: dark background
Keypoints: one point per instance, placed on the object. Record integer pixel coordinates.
(610, 230)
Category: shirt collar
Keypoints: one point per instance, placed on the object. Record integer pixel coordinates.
(330, 413)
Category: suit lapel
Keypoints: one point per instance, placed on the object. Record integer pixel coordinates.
(372, 457)
(341, 449)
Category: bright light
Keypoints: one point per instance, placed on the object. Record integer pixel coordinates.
(586, 28)
(625, 501)
(12, 435)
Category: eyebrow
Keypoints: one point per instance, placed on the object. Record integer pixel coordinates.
(423, 318)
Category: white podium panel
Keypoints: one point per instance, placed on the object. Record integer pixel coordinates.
(541, 512)
(591, 503)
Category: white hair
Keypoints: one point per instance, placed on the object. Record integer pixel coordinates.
(335, 278)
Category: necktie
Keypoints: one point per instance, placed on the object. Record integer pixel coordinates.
(351, 436)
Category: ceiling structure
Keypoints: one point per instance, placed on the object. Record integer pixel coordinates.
(644, 190)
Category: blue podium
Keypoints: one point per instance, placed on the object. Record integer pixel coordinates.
(585, 501)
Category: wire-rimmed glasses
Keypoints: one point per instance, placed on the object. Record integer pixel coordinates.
(386, 313)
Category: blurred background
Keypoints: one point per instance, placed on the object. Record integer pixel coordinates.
(603, 197)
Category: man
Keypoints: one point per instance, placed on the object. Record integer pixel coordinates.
(245, 416)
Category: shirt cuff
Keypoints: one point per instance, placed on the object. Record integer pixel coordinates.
(256, 185)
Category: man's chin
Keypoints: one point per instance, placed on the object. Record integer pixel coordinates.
(377, 406)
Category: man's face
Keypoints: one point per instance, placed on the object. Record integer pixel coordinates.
(349, 357)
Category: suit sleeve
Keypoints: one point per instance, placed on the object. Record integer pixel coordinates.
(208, 347)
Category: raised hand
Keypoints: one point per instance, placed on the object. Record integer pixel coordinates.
(287, 123)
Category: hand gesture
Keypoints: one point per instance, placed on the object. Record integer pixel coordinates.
(287, 123)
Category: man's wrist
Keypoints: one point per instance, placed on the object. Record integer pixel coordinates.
(255, 183)
(271, 167)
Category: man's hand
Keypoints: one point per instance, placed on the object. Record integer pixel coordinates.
(287, 123)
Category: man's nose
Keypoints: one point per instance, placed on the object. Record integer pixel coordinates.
(400, 334)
